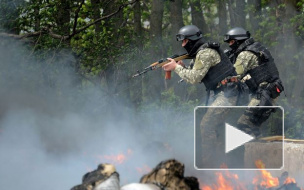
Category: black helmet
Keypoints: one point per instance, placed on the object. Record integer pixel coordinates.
(190, 32)
(236, 33)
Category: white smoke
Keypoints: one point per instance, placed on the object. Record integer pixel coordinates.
(52, 131)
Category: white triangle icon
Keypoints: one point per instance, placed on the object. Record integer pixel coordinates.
(235, 138)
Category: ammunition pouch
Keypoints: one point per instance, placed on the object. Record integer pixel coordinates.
(271, 91)
(275, 88)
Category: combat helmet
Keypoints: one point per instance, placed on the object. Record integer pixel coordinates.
(190, 32)
(236, 33)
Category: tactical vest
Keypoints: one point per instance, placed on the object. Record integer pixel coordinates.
(220, 71)
(267, 70)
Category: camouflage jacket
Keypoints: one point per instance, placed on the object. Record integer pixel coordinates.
(204, 60)
(245, 61)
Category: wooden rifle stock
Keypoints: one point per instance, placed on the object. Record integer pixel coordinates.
(160, 63)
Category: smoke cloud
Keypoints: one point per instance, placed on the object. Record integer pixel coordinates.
(53, 130)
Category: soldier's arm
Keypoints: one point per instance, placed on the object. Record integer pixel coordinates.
(205, 59)
(245, 61)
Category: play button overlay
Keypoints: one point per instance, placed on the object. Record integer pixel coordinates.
(220, 144)
(235, 138)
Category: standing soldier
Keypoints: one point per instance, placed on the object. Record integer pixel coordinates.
(212, 67)
(255, 66)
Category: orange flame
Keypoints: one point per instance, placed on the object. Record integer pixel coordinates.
(206, 187)
(229, 181)
(265, 180)
(118, 159)
(115, 159)
(225, 181)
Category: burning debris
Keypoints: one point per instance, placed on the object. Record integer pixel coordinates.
(169, 175)
(267, 181)
(262, 181)
(116, 159)
(104, 177)
(225, 181)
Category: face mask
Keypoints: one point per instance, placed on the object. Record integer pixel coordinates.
(189, 46)
(234, 46)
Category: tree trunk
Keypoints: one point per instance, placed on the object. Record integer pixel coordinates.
(137, 24)
(254, 11)
(63, 17)
(96, 14)
(240, 13)
(198, 17)
(176, 21)
(231, 11)
(136, 95)
(113, 26)
(222, 17)
(152, 89)
(36, 14)
(156, 24)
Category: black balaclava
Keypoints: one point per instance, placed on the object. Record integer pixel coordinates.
(190, 45)
(236, 44)
(193, 45)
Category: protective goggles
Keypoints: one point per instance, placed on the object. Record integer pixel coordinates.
(180, 37)
(227, 37)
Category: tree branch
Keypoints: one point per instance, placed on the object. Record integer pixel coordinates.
(76, 16)
(28, 35)
(49, 31)
(102, 18)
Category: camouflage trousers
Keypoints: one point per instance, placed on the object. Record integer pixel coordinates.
(248, 122)
(211, 127)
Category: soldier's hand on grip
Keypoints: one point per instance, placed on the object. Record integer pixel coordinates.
(170, 66)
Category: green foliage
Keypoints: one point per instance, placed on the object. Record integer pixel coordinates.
(268, 28)
(9, 13)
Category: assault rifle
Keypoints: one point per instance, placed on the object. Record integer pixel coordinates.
(160, 63)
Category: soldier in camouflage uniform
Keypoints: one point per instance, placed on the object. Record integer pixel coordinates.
(255, 66)
(213, 68)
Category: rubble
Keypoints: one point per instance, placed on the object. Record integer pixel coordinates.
(168, 174)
